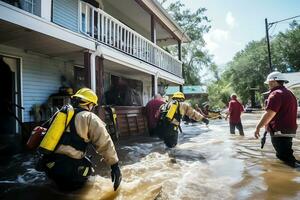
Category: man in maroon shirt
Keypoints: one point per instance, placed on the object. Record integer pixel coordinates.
(235, 110)
(152, 112)
(280, 118)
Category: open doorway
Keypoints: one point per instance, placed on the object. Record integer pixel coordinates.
(10, 108)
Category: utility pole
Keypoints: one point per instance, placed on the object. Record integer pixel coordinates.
(268, 26)
(268, 43)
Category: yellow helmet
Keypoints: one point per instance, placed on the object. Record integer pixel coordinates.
(178, 95)
(87, 95)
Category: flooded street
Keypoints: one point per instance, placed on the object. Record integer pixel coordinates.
(208, 163)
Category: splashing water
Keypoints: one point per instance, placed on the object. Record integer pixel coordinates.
(208, 163)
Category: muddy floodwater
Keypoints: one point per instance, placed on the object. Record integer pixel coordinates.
(208, 163)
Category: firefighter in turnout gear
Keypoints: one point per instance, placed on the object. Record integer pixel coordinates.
(170, 117)
(64, 159)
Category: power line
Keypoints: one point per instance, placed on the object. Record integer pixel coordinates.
(284, 20)
(274, 28)
(290, 22)
(282, 24)
(268, 26)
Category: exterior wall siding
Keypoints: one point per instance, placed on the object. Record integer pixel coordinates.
(40, 77)
(65, 13)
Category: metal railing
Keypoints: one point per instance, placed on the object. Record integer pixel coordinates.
(97, 24)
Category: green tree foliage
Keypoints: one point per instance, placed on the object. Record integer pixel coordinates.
(194, 24)
(249, 67)
(219, 93)
(286, 48)
(214, 69)
(248, 70)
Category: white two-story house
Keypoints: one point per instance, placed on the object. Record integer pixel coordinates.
(50, 46)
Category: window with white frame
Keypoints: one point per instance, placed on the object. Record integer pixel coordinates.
(29, 5)
(32, 6)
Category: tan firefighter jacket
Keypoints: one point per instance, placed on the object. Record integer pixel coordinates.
(92, 129)
(186, 109)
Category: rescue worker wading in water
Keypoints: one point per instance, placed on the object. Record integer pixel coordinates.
(170, 117)
(67, 165)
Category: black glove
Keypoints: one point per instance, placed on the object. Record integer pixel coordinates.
(116, 176)
(205, 120)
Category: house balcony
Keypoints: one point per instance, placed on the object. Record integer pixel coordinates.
(96, 24)
(82, 24)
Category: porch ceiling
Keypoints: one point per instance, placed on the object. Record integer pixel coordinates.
(32, 41)
(139, 16)
(125, 71)
(166, 82)
(122, 70)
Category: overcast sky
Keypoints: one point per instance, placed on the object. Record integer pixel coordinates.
(236, 22)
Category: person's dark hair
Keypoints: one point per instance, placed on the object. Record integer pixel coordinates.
(280, 82)
(233, 96)
(75, 101)
(178, 99)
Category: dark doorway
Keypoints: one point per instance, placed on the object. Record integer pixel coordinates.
(79, 77)
(10, 98)
(124, 92)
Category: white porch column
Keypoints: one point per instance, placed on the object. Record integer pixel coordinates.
(93, 72)
(98, 52)
(46, 6)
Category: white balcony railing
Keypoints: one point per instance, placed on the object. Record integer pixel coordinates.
(110, 31)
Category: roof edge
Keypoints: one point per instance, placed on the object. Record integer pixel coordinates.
(181, 34)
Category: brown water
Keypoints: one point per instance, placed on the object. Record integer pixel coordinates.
(208, 163)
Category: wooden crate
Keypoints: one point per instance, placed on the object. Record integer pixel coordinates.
(131, 120)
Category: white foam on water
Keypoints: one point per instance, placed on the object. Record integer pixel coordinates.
(196, 182)
(30, 176)
(7, 181)
(297, 179)
(28, 163)
(20, 179)
(189, 179)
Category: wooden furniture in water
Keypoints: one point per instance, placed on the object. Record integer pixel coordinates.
(131, 120)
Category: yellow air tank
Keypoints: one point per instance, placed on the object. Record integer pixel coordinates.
(56, 129)
(172, 110)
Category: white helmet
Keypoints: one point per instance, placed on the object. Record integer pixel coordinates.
(276, 76)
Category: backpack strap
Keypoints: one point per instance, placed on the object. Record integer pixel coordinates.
(72, 138)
